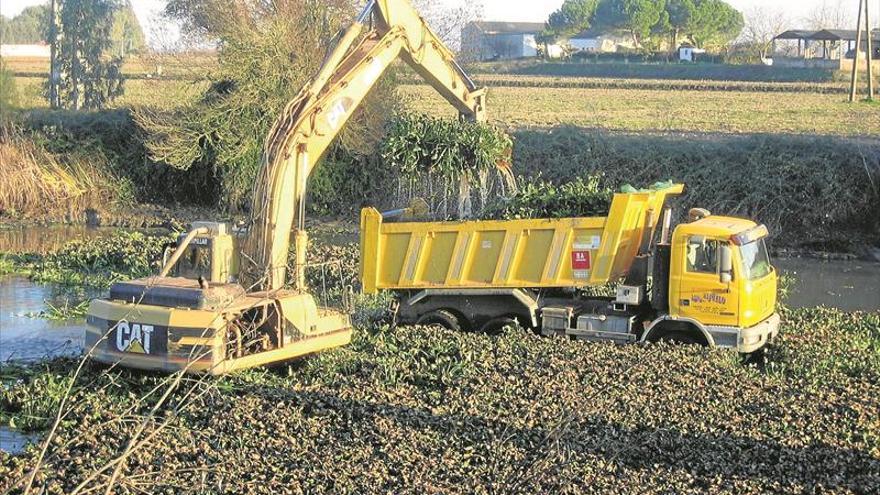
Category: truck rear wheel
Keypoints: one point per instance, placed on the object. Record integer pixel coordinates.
(442, 317)
(496, 325)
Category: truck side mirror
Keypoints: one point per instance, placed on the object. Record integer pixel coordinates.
(726, 264)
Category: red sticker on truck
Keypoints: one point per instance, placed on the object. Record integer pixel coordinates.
(580, 260)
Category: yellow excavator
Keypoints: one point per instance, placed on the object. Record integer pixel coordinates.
(218, 304)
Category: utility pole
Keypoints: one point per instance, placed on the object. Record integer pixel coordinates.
(855, 68)
(870, 51)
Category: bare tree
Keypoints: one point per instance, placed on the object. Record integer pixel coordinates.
(448, 21)
(762, 25)
(831, 14)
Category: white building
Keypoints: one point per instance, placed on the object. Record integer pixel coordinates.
(501, 40)
(25, 51)
(687, 53)
(600, 42)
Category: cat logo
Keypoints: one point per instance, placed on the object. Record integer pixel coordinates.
(133, 338)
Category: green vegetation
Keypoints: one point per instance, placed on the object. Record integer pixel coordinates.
(810, 191)
(96, 262)
(654, 25)
(256, 77)
(550, 82)
(161, 94)
(581, 197)
(36, 182)
(8, 92)
(72, 161)
(611, 66)
(420, 145)
(33, 407)
(31, 26)
(66, 310)
(458, 154)
(571, 18)
(88, 78)
(426, 410)
(126, 34)
(422, 409)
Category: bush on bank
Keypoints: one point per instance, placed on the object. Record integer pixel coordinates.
(812, 191)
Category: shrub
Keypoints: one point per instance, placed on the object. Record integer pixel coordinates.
(266, 53)
(114, 139)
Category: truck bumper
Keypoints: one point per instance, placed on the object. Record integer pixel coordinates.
(756, 337)
(746, 340)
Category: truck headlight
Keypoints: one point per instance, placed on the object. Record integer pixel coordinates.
(751, 339)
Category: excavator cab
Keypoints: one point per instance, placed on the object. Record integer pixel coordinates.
(211, 255)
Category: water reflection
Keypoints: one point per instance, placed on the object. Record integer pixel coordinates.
(14, 441)
(846, 285)
(44, 239)
(25, 338)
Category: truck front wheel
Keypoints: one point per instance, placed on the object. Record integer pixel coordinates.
(680, 338)
(442, 317)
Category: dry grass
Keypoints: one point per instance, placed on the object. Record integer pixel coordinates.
(32, 181)
(177, 65)
(667, 111)
(156, 93)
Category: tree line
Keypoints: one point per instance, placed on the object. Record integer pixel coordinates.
(31, 26)
(654, 25)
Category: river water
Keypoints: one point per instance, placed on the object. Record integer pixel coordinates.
(847, 285)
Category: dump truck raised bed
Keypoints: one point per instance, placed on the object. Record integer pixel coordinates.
(711, 280)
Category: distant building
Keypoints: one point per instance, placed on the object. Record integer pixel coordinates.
(592, 41)
(501, 40)
(826, 48)
(689, 53)
(25, 51)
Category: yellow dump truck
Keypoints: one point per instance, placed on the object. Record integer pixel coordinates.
(711, 280)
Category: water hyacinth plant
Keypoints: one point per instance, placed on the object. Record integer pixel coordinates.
(454, 151)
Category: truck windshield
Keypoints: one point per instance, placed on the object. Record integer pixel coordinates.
(755, 261)
(195, 262)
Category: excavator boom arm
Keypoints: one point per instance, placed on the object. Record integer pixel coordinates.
(310, 122)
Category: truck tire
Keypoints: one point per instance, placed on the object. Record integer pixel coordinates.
(442, 317)
(496, 325)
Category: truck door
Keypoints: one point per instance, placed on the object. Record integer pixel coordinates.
(699, 292)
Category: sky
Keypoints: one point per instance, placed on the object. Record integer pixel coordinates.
(159, 32)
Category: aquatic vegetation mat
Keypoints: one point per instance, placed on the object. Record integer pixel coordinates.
(425, 410)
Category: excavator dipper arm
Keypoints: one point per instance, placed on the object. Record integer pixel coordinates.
(310, 122)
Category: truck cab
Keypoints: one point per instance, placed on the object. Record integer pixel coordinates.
(721, 282)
